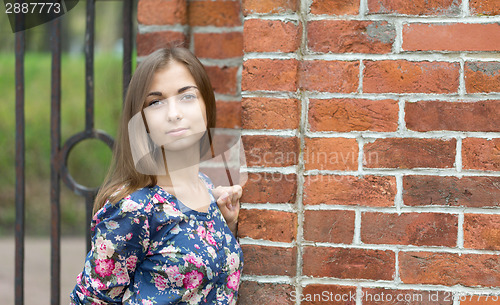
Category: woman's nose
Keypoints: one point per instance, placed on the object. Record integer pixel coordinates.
(174, 112)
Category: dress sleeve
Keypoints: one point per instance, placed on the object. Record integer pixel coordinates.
(120, 242)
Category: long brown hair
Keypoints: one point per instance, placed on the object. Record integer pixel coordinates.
(123, 178)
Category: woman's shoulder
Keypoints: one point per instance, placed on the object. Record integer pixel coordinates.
(206, 179)
(139, 201)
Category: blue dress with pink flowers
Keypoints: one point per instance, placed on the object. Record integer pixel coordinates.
(149, 248)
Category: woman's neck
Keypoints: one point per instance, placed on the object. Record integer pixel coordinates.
(182, 168)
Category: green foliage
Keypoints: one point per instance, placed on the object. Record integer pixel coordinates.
(87, 162)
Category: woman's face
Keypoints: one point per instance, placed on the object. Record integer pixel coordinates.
(174, 109)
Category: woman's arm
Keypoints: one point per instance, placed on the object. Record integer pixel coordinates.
(119, 244)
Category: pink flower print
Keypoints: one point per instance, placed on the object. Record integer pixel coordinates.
(121, 274)
(212, 252)
(171, 211)
(174, 275)
(160, 282)
(210, 239)
(130, 206)
(104, 248)
(115, 291)
(147, 302)
(97, 284)
(136, 220)
(196, 246)
(129, 236)
(210, 225)
(195, 260)
(104, 267)
(192, 279)
(111, 225)
(131, 262)
(234, 280)
(201, 231)
(158, 198)
(192, 297)
(148, 208)
(233, 261)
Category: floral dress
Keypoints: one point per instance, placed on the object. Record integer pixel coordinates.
(149, 248)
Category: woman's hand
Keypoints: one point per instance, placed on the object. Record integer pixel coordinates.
(228, 200)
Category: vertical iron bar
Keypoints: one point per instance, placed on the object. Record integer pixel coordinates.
(20, 163)
(127, 44)
(55, 134)
(89, 96)
(89, 200)
(89, 66)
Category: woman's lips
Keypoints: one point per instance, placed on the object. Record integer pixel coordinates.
(177, 132)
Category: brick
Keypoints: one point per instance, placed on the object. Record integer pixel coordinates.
(265, 260)
(449, 269)
(218, 45)
(451, 37)
(475, 192)
(419, 229)
(149, 42)
(223, 79)
(270, 188)
(335, 7)
(410, 153)
(228, 114)
(331, 154)
(270, 113)
(481, 154)
(269, 6)
(350, 36)
(348, 263)
(162, 12)
(269, 74)
(318, 294)
(214, 13)
(385, 296)
(417, 7)
(345, 115)
(471, 299)
(251, 293)
(482, 231)
(458, 116)
(482, 77)
(400, 76)
(329, 76)
(484, 7)
(271, 36)
(329, 226)
(376, 191)
(261, 224)
(271, 151)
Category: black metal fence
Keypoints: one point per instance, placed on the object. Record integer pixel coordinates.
(60, 151)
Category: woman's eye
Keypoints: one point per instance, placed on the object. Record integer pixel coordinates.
(188, 97)
(154, 103)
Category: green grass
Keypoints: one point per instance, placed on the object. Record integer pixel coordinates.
(87, 162)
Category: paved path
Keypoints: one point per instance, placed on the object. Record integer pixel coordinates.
(37, 269)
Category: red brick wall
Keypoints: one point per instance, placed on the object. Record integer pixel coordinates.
(372, 136)
(372, 133)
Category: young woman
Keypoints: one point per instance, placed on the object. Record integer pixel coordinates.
(161, 233)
